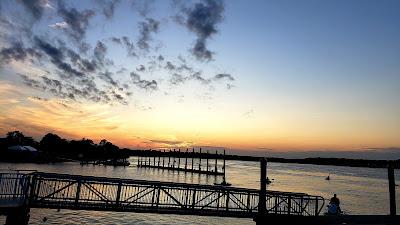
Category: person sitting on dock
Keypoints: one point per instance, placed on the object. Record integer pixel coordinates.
(334, 205)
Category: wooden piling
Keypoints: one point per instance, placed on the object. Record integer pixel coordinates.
(392, 189)
(186, 158)
(224, 163)
(163, 158)
(179, 158)
(207, 160)
(262, 205)
(200, 160)
(216, 162)
(192, 157)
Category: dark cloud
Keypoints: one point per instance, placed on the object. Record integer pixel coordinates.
(130, 47)
(141, 68)
(224, 76)
(127, 43)
(144, 84)
(182, 68)
(116, 40)
(78, 23)
(167, 142)
(107, 76)
(18, 52)
(170, 66)
(85, 65)
(177, 79)
(146, 28)
(100, 52)
(202, 19)
(56, 57)
(34, 7)
(198, 77)
(108, 7)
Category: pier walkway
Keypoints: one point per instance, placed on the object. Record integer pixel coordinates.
(50, 190)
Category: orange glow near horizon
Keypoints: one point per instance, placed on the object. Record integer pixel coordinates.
(185, 127)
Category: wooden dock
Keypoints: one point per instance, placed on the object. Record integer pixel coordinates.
(188, 162)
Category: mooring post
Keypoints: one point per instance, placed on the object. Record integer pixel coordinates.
(200, 160)
(163, 159)
(262, 205)
(216, 162)
(392, 189)
(207, 162)
(174, 157)
(186, 155)
(179, 158)
(224, 163)
(192, 157)
(169, 158)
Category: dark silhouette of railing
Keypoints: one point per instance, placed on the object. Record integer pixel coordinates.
(48, 190)
(13, 189)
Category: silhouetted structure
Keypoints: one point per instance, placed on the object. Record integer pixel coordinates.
(20, 192)
(188, 161)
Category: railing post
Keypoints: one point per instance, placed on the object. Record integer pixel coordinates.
(316, 206)
(392, 189)
(32, 191)
(78, 191)
(158, 196)
(194, 198)
(118, 193)
(289, 204)
(262, 204)
(227, 200)
(248, 201)
(219, 196)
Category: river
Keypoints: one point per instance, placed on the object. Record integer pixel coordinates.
(361, 190)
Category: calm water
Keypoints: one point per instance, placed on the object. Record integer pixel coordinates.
(361, 190)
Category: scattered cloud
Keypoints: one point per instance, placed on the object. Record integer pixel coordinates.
(35, 7)
(108, 7)
(78, 22)
(146, 28)
(202, 19)
(144, 84)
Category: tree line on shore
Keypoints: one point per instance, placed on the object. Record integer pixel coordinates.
(52, 147)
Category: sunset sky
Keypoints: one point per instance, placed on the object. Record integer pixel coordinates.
(250, 75)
